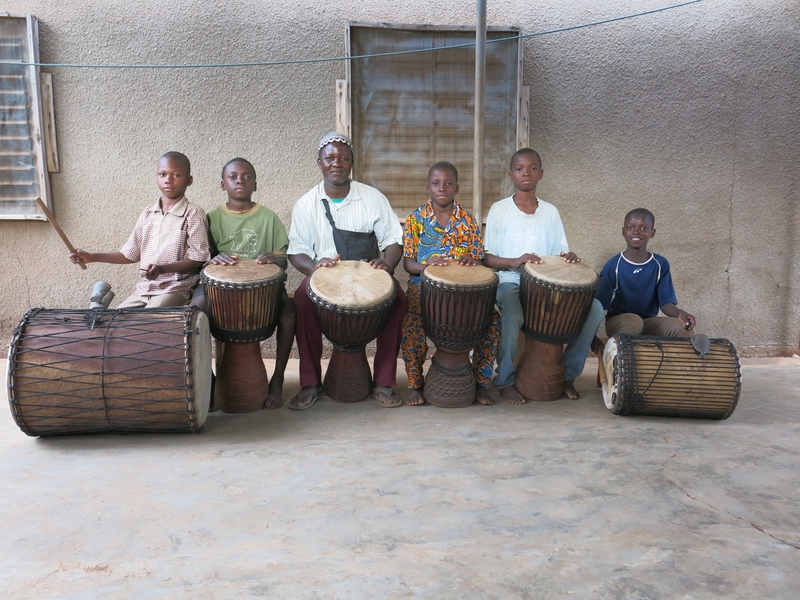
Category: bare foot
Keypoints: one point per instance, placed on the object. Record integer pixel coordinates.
(387, 398)
(482, 396)
(511, 395)
(275, 395)
(306, 397)
(570, 391)
(415, 397)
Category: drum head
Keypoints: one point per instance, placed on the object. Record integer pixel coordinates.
(610, 385)
(553, 269)
(244, 271)
(352, 283)
(459, 274)
(199, 363)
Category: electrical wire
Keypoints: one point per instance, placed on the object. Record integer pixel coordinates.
(275, 63)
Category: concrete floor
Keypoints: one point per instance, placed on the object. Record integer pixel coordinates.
(559, 500)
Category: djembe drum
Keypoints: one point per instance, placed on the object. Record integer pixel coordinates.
(243, 304)
(556, 297)
(352, 303)
(457, 304)
(664, 376)
(88, 371)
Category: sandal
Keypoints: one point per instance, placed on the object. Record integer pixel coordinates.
(299, 400)
(387, 397)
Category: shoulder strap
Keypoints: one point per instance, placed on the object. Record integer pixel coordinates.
(328, 213)
(338, 238)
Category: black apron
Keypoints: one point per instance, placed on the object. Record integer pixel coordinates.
(352, 245)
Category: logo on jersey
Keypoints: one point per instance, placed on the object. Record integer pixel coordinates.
(639, 270)
(244, 241)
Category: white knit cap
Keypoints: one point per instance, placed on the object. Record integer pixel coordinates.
(336, 137)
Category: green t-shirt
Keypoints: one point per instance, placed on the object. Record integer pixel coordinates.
(246, 234)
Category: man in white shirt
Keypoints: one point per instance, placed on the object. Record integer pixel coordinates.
(364, 215)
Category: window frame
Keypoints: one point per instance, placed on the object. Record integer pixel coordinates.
(42, 131)
(344, 95)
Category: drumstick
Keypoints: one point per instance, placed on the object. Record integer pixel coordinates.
(55, 225)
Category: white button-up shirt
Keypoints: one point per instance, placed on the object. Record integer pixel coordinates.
(364, 210)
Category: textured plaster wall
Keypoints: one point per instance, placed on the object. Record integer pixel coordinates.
(690, 112)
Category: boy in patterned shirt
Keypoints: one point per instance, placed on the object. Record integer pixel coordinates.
(434, 234)
(170, 242)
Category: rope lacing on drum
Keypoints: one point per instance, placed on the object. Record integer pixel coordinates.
(114, 315)
(188, 353)
(639, 397)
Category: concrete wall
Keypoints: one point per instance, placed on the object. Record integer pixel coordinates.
(689, 112)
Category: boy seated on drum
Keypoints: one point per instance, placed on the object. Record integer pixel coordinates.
(240, 228)
(635, 283)
(437, 232)
(520, 229)
(169, 241)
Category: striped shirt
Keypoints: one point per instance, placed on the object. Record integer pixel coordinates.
(161, 238)
(364, 210)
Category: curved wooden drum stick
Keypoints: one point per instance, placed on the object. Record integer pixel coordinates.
(55, 225)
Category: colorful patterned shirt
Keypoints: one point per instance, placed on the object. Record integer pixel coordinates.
(424, 237)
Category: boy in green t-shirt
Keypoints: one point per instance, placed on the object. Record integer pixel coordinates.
(241, 228)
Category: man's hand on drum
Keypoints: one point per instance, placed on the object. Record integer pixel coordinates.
(570, 257)
(527, 258)
(224, 259)
(326, 262)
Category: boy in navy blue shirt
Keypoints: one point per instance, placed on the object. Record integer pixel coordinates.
(636, 283)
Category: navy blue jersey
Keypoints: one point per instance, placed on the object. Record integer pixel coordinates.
(639, 288)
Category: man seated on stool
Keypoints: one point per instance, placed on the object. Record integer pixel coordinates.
(359, 208)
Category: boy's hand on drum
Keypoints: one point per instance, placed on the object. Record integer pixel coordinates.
(326, 262)
(527, 258)
(224, 259)
(467, 261)
(438, 261)
(379, 263)
(570, 257)
(268, 258)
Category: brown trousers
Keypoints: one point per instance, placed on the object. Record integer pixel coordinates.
(633, 324)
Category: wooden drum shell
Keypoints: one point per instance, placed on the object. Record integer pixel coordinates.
(87, 371)
(664, 376)
(554, 312)
(352, 304)
(243, 311)
(456, 316)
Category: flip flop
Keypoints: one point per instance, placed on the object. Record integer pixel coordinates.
(392, 399)
(296, 402)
